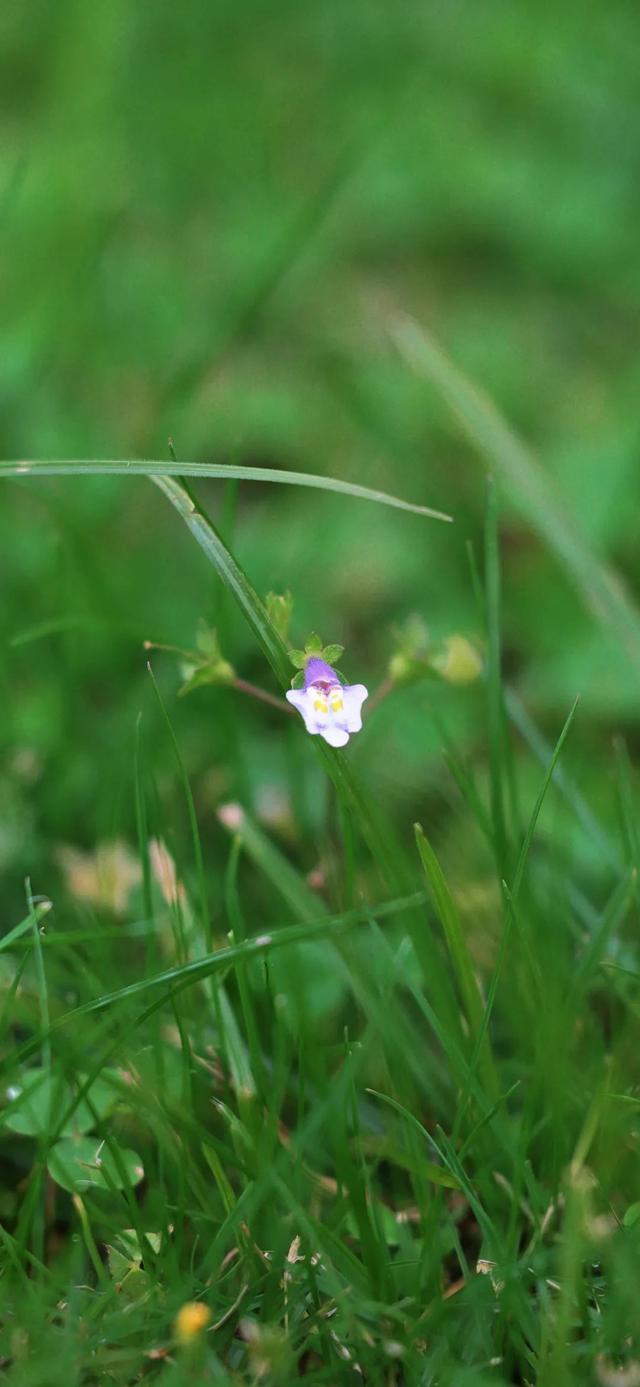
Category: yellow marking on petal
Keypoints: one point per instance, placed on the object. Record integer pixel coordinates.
(336, 705)
(320, 706)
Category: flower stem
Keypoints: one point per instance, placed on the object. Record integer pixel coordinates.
(243, 686)
(386, 687)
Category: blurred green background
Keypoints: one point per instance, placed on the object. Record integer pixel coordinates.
(211, 216)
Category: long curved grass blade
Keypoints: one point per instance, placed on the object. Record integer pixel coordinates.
(440, 1174)
(231, 574)
(543, 750)
(528, 485)
(254, 610)
(139, 467)
(222, 959)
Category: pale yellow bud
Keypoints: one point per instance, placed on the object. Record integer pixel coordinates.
(458, 662)
(401, 668)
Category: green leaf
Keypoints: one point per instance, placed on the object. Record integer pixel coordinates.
(298, 681)
(298, 658)
(133, 1284)
(134, 467)
(221, 673)
(130, 1243)
(125, 1265)
(43, 1095)
(280, 610)
(85, 1163)
(632, 1216)
(207, 641)
(119, 1265)
(332, 653)
(313, 644)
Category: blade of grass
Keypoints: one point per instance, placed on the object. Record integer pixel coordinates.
(494, 678)
(459, 955)
(43, 995)
(270, 860)
(239, 934)
(531, 827)
(529, 487)
(138, 467)
(612, 917)
(491, 996)
(37, 910)
(378, 839)
(222, 959)
(191, 809)
(141, 824)
(542, 750)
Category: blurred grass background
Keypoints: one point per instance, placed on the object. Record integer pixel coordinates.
(211, 218)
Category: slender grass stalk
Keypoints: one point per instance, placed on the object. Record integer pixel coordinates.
(135, 467)
(460, 958)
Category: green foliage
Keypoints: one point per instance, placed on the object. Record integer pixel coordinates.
(313, 646)
(207, 664)
(79, 1164)
(41, 1094)
(280, 612)
(281, 1097)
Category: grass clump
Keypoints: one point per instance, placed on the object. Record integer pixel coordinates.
(263, 1121)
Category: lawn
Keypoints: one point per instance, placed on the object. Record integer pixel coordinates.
(320, 343)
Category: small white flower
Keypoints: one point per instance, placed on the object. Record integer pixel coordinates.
(330, 709)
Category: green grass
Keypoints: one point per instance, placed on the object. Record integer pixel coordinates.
(353, 1142)
(340, 1046)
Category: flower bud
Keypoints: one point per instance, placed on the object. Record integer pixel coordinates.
(191, 1321)
(458, 661)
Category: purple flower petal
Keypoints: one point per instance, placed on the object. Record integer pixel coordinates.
(317, 671)
(329, 709)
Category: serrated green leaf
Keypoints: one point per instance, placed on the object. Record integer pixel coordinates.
(84, 1163)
